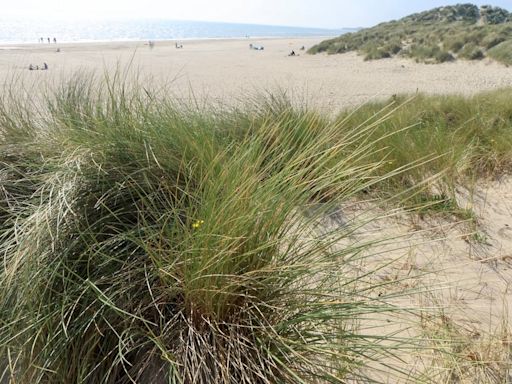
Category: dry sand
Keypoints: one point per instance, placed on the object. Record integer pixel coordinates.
(459, 275)
(228, 70)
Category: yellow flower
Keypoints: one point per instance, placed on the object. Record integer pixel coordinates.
(197, 224)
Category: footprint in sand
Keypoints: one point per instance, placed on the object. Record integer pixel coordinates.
(505, 232)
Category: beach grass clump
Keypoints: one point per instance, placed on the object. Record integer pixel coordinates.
(502, 52)
(375, 52)
(494, 39)
(428, 54)
(471, 51)
(147, 241)
(444, 56)
(464, 139)
(424, 53)
(453, 44)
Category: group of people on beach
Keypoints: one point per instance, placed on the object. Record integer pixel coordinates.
(41, 40)
(151, 44)
(44, 67)
(261, 48)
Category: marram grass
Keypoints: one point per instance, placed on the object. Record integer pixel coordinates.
(143, 240)
(147, 242)
(465, 139)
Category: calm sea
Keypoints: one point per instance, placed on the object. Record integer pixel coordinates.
(29, 31)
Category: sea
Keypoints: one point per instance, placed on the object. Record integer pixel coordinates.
(18, 30)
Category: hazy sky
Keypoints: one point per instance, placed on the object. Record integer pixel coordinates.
(313, 13)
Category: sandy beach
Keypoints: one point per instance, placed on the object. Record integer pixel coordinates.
(227, 70)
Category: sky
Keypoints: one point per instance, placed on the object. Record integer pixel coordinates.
(307, 13)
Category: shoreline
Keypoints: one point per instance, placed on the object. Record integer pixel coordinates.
(187, 39)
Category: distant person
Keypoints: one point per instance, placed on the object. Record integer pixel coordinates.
(55, 40)
(292, 53)
(45, 66)
(151, 44)
(48, 40)
(30, 67)
(41, 40)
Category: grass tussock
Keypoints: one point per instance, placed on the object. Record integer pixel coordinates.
(465, 139)
(148, 241)
(143, 240)
(502, 52)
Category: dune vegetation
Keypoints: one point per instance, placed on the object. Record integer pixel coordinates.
(144, 240)
(443, 34)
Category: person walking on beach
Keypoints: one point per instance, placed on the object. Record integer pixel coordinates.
(48, 40)
(55, 40)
